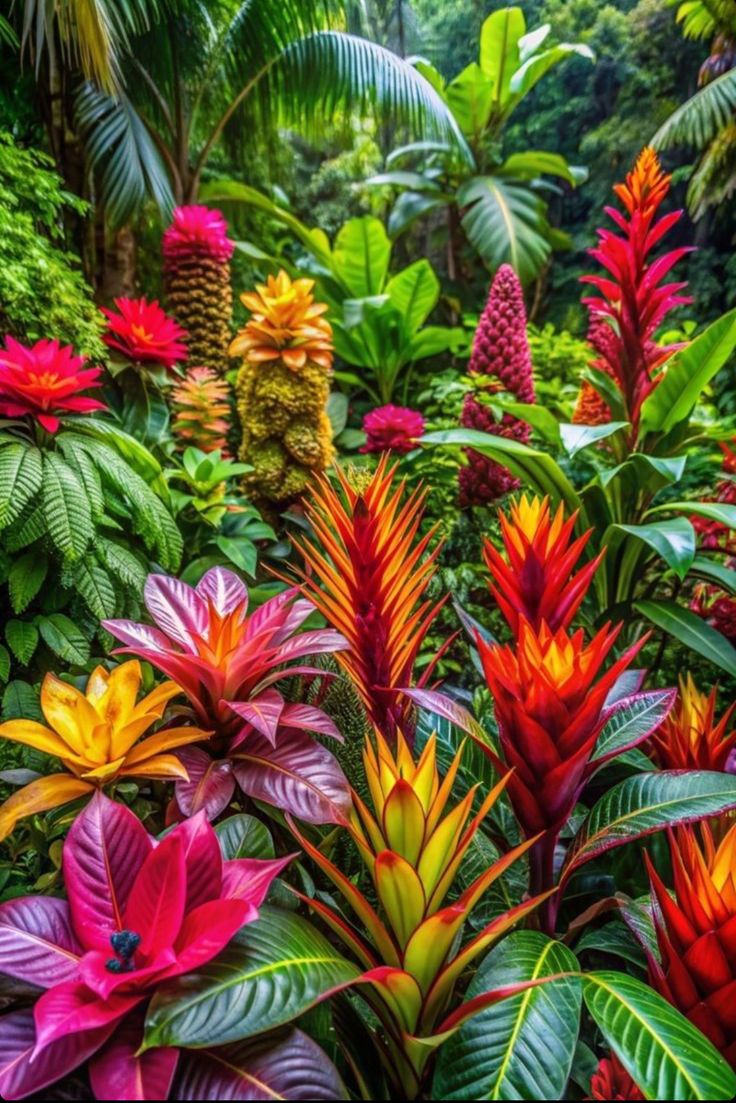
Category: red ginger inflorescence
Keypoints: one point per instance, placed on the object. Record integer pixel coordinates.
(501, 353)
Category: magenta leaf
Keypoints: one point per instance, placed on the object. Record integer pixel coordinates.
(262, 712)
(250, 878)
(203, 860)
(298, 775)
(19, 1075)
(74, 1008)
(208, 929)
(117, 1073)
(137, 636)
(37, 942)
(285, 1064)
(309, 718)
(176, 609)
(105, 847)
(224, 589)
(210, 786)
(155, 906)
(630, 720)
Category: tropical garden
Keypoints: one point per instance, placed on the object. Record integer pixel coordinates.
(367, 549)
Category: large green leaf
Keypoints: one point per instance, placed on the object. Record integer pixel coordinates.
(673, 539)
(636, 718)
(521, 1048)
(577, 437)
(66, 508)
(244, 836)
(499, 49)
(721, 512)
(646, 803)
(414, 292)
(361, 256)
(699, 119)
(470, 96)
(709, 569)
(64, 638)
(688, 372)
(272, 971)
(506, 222)
(665, 1054)
(537, 162)
(692, 630)
(537, 66)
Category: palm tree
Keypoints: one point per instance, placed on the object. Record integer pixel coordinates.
(169, 80)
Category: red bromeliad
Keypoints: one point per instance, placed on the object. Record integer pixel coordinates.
(138, 913)
(611, 1081)
(143, 333)
(696, 933)
(374, 575)
(227, 661)
(44, 382)
(631, 295)
(690, 738)
(392, 429)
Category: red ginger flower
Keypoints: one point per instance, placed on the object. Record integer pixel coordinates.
(611, 1081)
(138, 912)
(144, 333)
(197, 231)
(44, 381)
(392, 429)
(500, 352)
(535, 582)
(690, 738)
(696, 933)
(631, 295)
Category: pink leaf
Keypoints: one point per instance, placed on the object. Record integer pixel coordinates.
(73, 1008)
(37, 942)
(105, 848)
(210, 786)
(176, 609)
(250, 878)
(203, 859)
(208, 929)
(310, 719)
(137, 635)
(19, 1075)
(155, 907)
(263, 712)
(224, 589)
(299, 776)
(117, 1073)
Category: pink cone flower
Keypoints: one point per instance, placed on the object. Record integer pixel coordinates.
(197, 231)
(392, 429)
(144, 333)
(501, 353)
(44, 381)
(138, 912)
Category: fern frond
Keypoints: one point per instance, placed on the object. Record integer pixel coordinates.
(21, 472)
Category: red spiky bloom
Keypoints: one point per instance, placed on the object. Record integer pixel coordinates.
(201, 410)
(143, 333)
(392, 429)
(374, 574)
(696, 934)
(632, 295)
(691, 738)
(611, 1081)
(44, 381)
(501, 356)
(591, 408)
(536, 581)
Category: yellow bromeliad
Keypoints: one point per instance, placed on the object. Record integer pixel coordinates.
(412, 841)
(286, 324)
(96, 735)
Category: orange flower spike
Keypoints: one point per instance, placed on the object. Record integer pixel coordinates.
(696, 933)
(690, 738)
(286, 324)
(536, 580)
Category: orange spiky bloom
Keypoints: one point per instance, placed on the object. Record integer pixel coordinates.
(696, 933)
(536, 581)
(591, 408)
(690, 738)
(201, 410)
(412, 845)
(286, 324)
(374, 574)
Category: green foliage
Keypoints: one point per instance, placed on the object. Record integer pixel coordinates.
(42, 291)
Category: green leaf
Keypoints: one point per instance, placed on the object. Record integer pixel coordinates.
(64, 638)
(95, 587)
(408, 208)
(20, 702)
(4, 664)
(361, 256)
(66, 508)
(20, 479)
(537, 162)
(640, 716)
(523, 1047)
(244, 836)
(577, 437)
(725, 577)
(273, 970)
(506, 223)
(532, 71)
(646, 803)
(722, 512)
(243, 553)
(414, 292)
(499, 49)
(25, 579)
(470, 97)
(692, 630)
(22, 639)
(614, 938)
(674, 540)
(539, 417)
(688, 372)
(664, 1053)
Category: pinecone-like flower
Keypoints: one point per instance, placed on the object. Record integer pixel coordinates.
(201, 411)
(283, 387)
(197, 254)
(500, 353)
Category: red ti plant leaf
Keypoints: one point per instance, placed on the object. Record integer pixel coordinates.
(19, 1075)
(37, 940)
(119, 1072)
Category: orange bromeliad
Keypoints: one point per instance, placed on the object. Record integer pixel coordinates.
(286, 324)
(412, 846)
(95, 734)
(690, 738)
(374, 575)
(696, 933)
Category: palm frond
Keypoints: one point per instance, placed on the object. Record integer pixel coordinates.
(122, 153)
(714, 180)
(7, 34)
(697, 121)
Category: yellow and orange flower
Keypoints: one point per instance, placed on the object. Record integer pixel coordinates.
(690, 738)
(95, 734)
(696, 933)
(286, 324)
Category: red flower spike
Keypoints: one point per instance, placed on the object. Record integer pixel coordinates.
(611, 1081)
(143, 333)
(392, 429)
(374, 574)
(501, 353)
(631, 296)
(536, 582)
(696, 933)
(44, 381)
